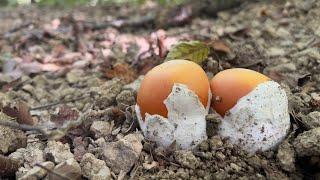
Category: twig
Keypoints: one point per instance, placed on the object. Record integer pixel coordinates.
(52, 172)
(57, 103)
(23, 127)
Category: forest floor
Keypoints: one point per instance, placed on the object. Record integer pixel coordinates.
(72, 79)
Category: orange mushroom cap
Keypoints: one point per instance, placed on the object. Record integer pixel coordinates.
(158, 83)
(232, 84)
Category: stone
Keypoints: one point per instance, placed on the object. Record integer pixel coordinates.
(94, 169)
(36, 172)
(125, 98)
(57, 152)
(215, 142)
(308, 143)
(286, 156)
(101, 128)
(275, 51)
(11, 139)
(312, 120)
(121, 155)
(186, 159)
(69, 169)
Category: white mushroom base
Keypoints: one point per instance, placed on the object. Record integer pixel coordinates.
(186, 124)
(260, 120)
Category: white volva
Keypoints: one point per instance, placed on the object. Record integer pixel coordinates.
(259, 120)
(185, 124)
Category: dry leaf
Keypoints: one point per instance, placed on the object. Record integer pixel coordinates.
(65, 113)
(20, 112)
(195, 51)
(221, 46)
(122, 71)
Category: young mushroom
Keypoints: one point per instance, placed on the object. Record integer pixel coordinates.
(172, 103)
(253, 108)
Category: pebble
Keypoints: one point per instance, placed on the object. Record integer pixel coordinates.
(11, 139)
(308, 143)
(122, 154)
(58, 152)
(94, 169)
(69, 169)
(36, 172)
(101, 128)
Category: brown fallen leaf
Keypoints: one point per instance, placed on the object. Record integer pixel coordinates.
(66, 113)
(20, 112)
(8, 167)
(220, 46)
(122, 71)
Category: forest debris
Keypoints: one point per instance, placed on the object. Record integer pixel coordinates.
(70, 169)
(57, 151)
(94, 169)
(220, 46)
(308, 143)
(195, 51)
(65, 114)
(8, 166)
(37, 172)
(123, 71)
(101, 128)
(20, 111)
(121, 155)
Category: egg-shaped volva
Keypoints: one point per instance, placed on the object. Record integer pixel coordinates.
(253, 108)
(172, 102)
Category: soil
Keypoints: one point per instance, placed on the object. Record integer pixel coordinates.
(62, 67)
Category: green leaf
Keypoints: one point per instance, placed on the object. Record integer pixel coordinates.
(195, 51)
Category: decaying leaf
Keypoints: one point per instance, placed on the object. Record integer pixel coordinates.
(195, 51)
(66, 113)
(220, 46)
(122, 71)
(20, 112)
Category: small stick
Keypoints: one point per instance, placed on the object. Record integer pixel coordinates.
(23, 127)
(57, 103)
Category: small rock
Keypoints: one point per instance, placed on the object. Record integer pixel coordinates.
(101, 128)
(36, 172)
(30, 155)
(135, 85)
(235, 167)
(285, 68)
(11, 139)
(286, 156)
(215, 142)
(275, 51)
(186, 159)
(312, 120)
(74, 76)
(94, 169)
(125, 98)
(121, 155)
(58, 152)
(69, 169)
(107, 93)
(308, 143)
(220, 156)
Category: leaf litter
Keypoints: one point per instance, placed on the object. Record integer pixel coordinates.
(64, 70)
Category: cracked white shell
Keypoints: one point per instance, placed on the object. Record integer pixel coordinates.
(186, 124)
(260, 120)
